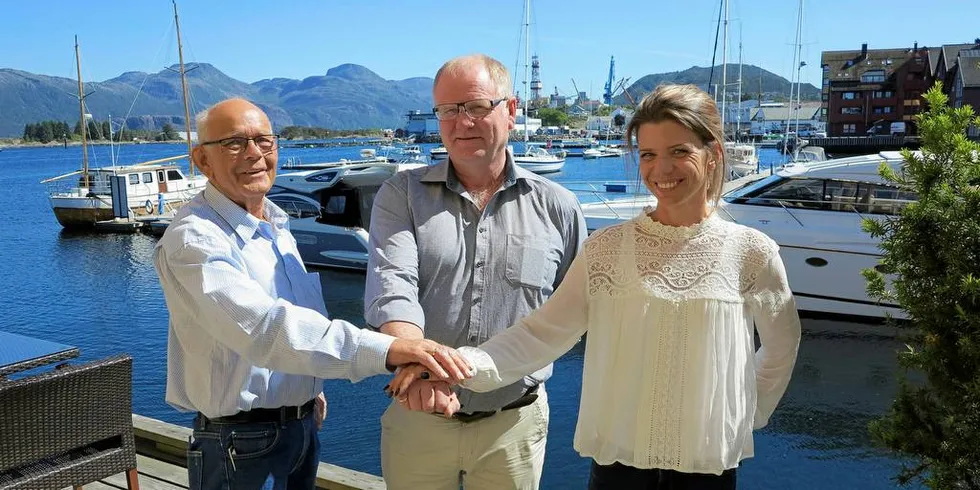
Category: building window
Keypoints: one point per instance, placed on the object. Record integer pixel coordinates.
(882, 94)
(882, 110)
(850, 95)
(872, 76)
(850, 110)
(850, 128)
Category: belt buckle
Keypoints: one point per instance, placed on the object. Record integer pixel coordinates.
(299, 412)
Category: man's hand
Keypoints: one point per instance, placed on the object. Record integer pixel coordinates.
(443, 362)
(430, 397)
(320, 410)
(406, 376)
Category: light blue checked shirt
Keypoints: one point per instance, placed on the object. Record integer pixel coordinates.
(248, 327)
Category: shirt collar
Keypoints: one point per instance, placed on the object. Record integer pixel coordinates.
(244, 224)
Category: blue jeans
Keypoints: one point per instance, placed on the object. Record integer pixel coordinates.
(253, 456)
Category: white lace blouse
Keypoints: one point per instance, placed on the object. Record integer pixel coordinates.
(671, 378)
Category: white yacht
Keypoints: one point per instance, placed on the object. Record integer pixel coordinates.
(439, 153)
(814, 212)
(539, 160)
(742, 159)
(330, 209)
(603, 151)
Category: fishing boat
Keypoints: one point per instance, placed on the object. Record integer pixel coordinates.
(148, 189)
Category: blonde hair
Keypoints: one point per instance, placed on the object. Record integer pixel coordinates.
(498, 72)
(692, 108)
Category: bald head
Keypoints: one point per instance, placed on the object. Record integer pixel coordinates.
(224, 114)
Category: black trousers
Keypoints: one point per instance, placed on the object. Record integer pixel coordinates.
(621, 477)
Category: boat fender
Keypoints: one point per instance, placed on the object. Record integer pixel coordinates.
(148, 206)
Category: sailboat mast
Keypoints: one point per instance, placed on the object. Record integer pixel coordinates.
(799, 67)
(796, 62)
(724, 69)
(738, 116)
(81, 115)
(183, 84)
(527, 53)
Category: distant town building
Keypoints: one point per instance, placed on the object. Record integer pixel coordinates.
(865, 91)
(958, 67)
(421, 124)
(736, 112)
(532, 127)
(182, 135)
(772, 118)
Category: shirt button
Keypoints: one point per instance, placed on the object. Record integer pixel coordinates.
(483, 229)
(476, 300)
(478, 264)
(472, 338)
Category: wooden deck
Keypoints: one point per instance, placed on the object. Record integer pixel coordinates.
(160, 451)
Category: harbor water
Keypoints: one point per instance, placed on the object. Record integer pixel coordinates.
(100, 292)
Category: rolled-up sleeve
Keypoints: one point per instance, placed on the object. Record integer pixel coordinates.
(774, 310)
(391, 285)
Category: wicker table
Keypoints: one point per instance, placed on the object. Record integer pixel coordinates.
(20, 353)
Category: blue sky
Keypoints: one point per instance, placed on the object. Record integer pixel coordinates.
(251, 40)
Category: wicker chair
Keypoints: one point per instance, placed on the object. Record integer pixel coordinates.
(68, 427)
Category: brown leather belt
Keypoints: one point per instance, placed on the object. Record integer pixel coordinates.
(529, 397)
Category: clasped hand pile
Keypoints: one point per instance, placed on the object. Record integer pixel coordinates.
(425, 383)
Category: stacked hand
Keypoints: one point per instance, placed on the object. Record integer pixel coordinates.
(430, 396)
(426, 356)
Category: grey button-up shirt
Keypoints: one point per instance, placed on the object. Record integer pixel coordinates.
(462, 274)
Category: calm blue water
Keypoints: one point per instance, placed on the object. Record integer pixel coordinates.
(100, 293)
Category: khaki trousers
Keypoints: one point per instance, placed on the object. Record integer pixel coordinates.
(422, 451)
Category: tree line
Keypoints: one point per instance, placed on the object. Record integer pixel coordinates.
(51, 130)
(303, 132)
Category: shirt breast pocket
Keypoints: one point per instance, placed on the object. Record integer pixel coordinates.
(529, 263)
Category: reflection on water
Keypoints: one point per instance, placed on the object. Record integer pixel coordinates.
(100, 293)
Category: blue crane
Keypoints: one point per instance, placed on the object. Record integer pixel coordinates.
(607, 96)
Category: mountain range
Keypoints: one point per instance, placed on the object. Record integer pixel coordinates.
(757, 83)
(348, 96)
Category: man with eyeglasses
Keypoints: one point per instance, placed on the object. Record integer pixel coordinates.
(458, 252)
(249, 339)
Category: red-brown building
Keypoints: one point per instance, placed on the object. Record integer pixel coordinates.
(958, 67)
(866, 90)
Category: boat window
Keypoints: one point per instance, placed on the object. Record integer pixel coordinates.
(174, 175)
(295, 206)
(147, 177)
(160, 176)
(752, 188)
(340, 208)
(889, 200)
(847, 196)
(799, 193)
(367, 195)
(134, 178)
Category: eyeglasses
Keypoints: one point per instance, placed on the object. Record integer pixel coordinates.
(476, 109)
(236, 144)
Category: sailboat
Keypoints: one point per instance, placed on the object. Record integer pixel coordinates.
(742, 158)
(152, 189)
(534, 158)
